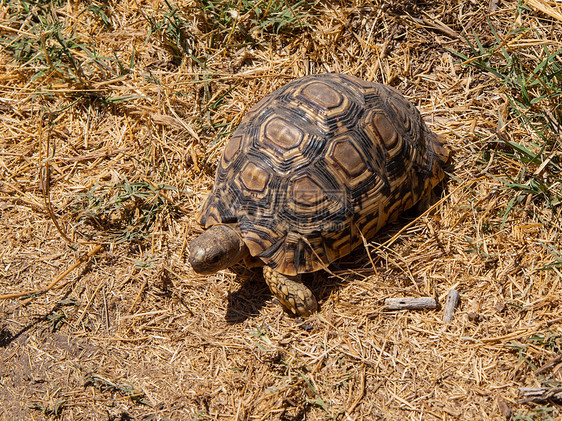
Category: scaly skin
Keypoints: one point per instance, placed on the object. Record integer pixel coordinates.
(292, 293)
(220, 247)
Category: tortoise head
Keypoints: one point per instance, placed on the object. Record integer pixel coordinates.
(220, 247)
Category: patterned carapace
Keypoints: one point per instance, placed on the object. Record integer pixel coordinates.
(319, 162)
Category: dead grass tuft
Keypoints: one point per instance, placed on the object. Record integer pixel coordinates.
(113, 115)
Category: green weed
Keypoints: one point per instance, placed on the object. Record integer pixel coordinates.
(541, 413)
(245, 17)
(526, 350)
(550, 341)
(51, 410)
(127, 211)
(532, 77)
(532, 81)
(41, 40)
(228, 24)
(107, 386)
(175, 31)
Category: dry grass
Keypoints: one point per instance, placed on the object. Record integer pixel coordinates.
(113, 116)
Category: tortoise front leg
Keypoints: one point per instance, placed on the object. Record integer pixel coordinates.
(292, 293)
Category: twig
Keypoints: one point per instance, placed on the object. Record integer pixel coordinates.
(451, 304)
(45, 181)
(45, 189)
(410, 303)
(435, 24)
(81, 259)
(540, 394)
(366, 246)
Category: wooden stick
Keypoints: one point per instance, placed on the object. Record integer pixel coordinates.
(410, 303)
(451, 304)
(540, 394)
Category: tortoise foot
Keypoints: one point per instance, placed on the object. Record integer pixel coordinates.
(292, 293)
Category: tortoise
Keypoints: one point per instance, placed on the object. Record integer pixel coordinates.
(313, 169)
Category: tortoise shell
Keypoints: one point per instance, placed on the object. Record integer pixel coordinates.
(319, 163)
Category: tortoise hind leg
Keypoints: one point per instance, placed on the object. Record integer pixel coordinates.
(292, 293)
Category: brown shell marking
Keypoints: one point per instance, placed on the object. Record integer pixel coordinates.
(253, 177)
(318, 162)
